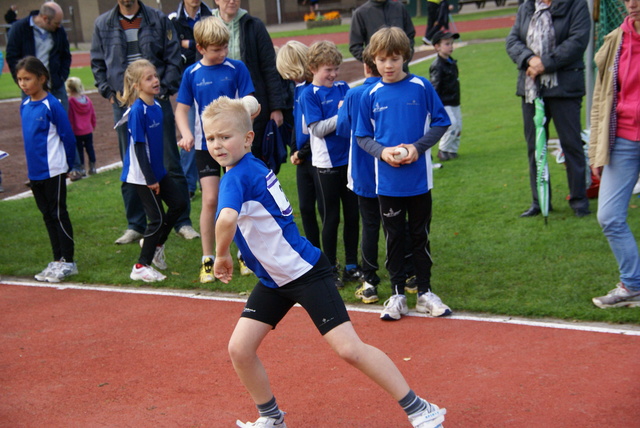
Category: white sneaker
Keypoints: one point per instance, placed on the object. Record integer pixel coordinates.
(394, 308)
(128, 237)
(431, 304)
(188, 232)
(48, 271)
(62, 270)
(431, 417)
(265, 422)
(146, 274)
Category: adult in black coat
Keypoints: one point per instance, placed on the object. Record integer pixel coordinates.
(250, 43)
(552, 68)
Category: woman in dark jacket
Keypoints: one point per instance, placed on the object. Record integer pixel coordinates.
(547, 44)
(250, 43)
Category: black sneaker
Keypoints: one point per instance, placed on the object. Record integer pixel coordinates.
(368, 293)
(352, 275)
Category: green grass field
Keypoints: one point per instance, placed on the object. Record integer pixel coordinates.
(486, 258)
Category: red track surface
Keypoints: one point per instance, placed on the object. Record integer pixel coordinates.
(78, 358)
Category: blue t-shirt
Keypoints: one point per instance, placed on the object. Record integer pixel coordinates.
(202, 84)
(397, 113)
(266, 235)
(49, 143)
(320, 103)
(361, 172)
(299, 122)
(144, 126)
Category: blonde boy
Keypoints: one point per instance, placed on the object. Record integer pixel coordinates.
(254, 212)
(292, 64)
(213, 76)
(330, 157)
(402, 114)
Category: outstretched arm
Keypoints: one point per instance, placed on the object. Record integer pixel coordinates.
(226, 224)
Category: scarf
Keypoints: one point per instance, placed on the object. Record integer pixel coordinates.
(541, 39)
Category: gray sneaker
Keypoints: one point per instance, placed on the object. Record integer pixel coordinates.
(429, 303)
(618, 297)
(61, 271)
(431, 417)
(48, 271)
(128, 237)
(188, 232)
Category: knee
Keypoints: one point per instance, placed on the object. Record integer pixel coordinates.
(239, 353)
(350, 352)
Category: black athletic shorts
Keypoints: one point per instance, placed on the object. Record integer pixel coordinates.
(315, 291)
(207, 166)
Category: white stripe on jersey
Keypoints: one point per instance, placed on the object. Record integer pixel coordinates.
(281, 261)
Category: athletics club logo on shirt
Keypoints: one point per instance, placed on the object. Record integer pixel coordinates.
(413, 103)
(204, 83)
(154, 124)
(378, 108)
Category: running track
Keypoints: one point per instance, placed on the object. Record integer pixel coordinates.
(96, 357)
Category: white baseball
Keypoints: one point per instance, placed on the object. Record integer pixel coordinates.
(250, 104)
(401, 153)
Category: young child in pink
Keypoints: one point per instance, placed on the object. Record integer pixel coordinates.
(83, 121)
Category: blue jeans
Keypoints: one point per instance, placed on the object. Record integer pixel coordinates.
(616, 185)
(136, 218)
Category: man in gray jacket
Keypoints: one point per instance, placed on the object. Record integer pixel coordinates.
(128, 32)
(373, 15)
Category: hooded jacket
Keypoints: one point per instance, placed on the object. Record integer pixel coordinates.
(82, 115)
(572, 23)
(609, 96)
(371, 16)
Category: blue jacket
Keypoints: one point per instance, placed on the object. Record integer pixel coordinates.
(158, 44)
(184, 31)
(22, 43)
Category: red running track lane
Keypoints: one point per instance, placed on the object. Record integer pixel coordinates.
(89, 358)
(82, 59)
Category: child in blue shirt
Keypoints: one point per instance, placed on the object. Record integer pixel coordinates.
(50, 149)
(143, 167)
(330, 156)
(291, 63)
(403, 164)
(204, 81)
(254, 212)
(362, 181)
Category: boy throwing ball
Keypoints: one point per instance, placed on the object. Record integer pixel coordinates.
(253, 210)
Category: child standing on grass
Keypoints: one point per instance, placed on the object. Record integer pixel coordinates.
(83, 121)
(362, 182)
(403, 165)
(50, 149)
(143, 167)
(206, 80)
(254, 211)
(330, 156)
(291, 63)
(444, 78)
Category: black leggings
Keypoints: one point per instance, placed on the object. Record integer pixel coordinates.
(159, 224)
(331, 192)
(51, 198)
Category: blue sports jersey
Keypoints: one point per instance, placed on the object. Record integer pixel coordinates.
(266, 235)
(320, 103)
(144, 126)
(49, 143)
(299, 122)
(397, 113)
(361, 172)
(202, 84)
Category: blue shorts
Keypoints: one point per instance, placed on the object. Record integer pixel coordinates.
(315, 291)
